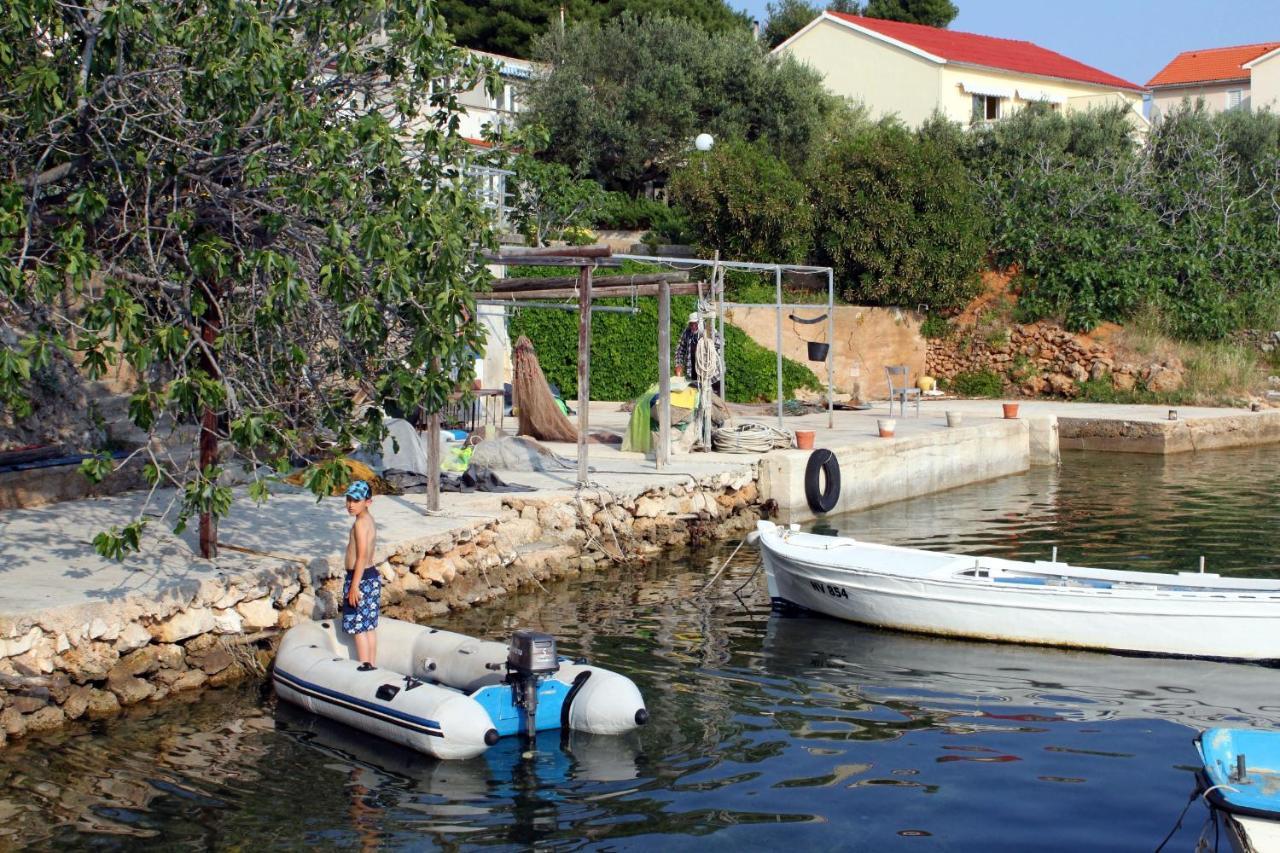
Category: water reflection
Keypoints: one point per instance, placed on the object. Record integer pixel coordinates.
(1021, 683)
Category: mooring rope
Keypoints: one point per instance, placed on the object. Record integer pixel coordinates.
(749, 437)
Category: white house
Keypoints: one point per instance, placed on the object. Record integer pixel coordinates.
(913, 71)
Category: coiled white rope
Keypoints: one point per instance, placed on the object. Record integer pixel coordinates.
(710, 362)
(749, 437)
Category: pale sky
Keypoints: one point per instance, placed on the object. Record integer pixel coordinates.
(1132, 39)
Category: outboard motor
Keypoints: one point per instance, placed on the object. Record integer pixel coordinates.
(531, 659)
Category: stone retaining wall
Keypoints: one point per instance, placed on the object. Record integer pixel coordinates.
(93, 662)
(1043, 358)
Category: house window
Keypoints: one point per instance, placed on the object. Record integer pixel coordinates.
(1234, 98)
(986, 108)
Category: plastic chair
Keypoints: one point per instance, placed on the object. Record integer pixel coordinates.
(901, 391)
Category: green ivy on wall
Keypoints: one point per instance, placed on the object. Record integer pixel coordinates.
(624, 352)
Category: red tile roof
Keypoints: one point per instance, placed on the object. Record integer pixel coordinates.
(988, 52)
(1204, 66)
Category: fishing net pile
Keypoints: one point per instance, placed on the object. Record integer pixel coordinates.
(537, 412)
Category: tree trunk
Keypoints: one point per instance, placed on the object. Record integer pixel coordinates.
(210, 325)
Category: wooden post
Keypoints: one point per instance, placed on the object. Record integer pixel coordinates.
(584, 367)
(433, 461)
(210, 326)
(662, 455)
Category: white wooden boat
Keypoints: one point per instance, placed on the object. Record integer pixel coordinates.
(1046, 603)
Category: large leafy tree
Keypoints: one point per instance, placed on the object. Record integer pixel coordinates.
(511, 27)
(1102, 228)
(900, 219)
(931, 13)
(786, 17)
(623, 101)
(259, 207)
(745, 203)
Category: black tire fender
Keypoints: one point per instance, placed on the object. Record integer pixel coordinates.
(824, 499)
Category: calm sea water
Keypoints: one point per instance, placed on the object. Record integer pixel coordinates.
(766, 732)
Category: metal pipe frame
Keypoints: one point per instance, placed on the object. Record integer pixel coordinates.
(675, 263)
(777, 278)
(831, 349)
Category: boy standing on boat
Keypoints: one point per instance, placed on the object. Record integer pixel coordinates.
(362, 589)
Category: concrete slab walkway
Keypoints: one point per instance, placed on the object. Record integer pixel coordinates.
(47, 561)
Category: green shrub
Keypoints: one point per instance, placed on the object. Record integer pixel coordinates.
(977, 383)
(670, 231)
(624, 352)
(935, 328)
(757, 289)
(1102, 227)
(898, 218)
(997, 338)
(622, 212)
(1022, 368)
(745, 203)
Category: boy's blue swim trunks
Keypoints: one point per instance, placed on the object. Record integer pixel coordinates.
(364, 616)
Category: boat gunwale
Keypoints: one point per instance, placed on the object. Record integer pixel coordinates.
(1126, 582)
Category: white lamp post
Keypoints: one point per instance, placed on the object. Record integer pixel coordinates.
(703, 142)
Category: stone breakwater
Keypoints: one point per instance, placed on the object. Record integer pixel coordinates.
(1041, 358)
(94, 661)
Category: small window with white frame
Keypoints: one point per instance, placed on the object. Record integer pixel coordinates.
(986, 108)
(1235, 97)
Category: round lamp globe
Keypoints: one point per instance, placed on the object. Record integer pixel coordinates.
(703, 142)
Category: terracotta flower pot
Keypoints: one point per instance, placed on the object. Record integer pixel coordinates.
(886, 426)
(804, 439)
(1010, 410)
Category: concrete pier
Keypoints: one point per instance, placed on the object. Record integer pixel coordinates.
(920, 459)
(926, 456)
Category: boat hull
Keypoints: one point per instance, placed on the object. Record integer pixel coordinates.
(313, 670)
(441, 693)
(1233, 626)
(1252, 835)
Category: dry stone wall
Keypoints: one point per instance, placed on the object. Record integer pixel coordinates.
(91, 663)
(1044, 359)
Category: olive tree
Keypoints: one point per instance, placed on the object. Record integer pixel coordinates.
(622, 101)
(261, 208)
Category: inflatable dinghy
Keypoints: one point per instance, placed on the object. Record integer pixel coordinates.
(1241, 778)
(449, 695)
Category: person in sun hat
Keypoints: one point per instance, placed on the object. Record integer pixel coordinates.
(362, 588)
(686, 350)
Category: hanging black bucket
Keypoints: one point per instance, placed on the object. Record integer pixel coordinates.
(818, 350)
